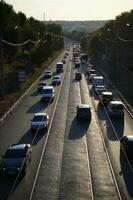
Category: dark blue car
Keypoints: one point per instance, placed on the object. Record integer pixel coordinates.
(16, 159)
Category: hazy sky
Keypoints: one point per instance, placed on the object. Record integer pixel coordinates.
(72, 9)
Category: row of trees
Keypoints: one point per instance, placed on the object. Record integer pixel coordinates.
(113, 40)
(111, 49)
(25, 43)
(17, 28)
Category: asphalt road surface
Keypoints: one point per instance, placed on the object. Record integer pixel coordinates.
(74, 163)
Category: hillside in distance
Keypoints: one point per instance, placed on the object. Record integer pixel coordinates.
(87, 26)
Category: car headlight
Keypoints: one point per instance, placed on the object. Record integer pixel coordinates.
(18, 168)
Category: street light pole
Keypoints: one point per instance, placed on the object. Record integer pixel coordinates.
(2, 69)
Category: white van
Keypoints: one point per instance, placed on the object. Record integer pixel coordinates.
(99, 85)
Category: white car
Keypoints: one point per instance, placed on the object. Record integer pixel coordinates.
(40, 121)
(56, 80)
(47, 93)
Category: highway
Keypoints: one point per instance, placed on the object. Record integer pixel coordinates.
(70, 161)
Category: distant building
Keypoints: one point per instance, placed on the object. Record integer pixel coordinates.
(88, 26)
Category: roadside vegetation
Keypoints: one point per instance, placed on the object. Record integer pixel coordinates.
(27, 44)
(111, 49)
(116, 34)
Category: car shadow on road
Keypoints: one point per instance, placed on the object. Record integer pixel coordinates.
(31, 137)
(118, 125)
(35, 93)
(6, 183)
(100, 112)
(78, 129)
(37, 107)
(26, 138)
(127, 173)
(92, 93)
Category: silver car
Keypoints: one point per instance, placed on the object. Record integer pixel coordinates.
(39, 122)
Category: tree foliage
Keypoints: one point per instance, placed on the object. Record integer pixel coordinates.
(115, 34)
(17, 28)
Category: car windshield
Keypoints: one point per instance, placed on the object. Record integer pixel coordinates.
(99, 82)
(15, 153)
(56, 78)
(108, 97)
(39, 118)
(45, 91)
(117, 107)
(41, 84)
(84, 110)
(59, 66)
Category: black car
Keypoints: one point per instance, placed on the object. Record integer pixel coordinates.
(115, 109)
(16, 159)
(47, 74)
(77, 64)
(84, 112)
(41, 85)
(78, 76)
(127, 145)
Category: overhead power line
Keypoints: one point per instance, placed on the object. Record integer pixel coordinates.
(13, 44)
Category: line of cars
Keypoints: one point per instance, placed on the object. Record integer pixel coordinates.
(18, 156)
(114, 107)
(83, 111)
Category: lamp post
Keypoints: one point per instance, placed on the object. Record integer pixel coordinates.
(2, 69)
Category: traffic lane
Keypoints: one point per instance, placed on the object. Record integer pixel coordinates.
(18, 124)
(17, 129)
(27, 183)
(103, 183)
(17, 119)
(47, 185)
(75, 179)
(127, 124)
(124, 172)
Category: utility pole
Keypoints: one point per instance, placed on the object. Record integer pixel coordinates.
(2, 69)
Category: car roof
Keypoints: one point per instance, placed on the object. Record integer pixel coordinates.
(18, 146)
(43, 82)
(48, 87)
(98, 77)
(107, 93)
(116, 103)
(47, 72)
(83, 106)
(57, 76)
(92, 70)
(129, 138)
(40, 114)
(60, 63)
